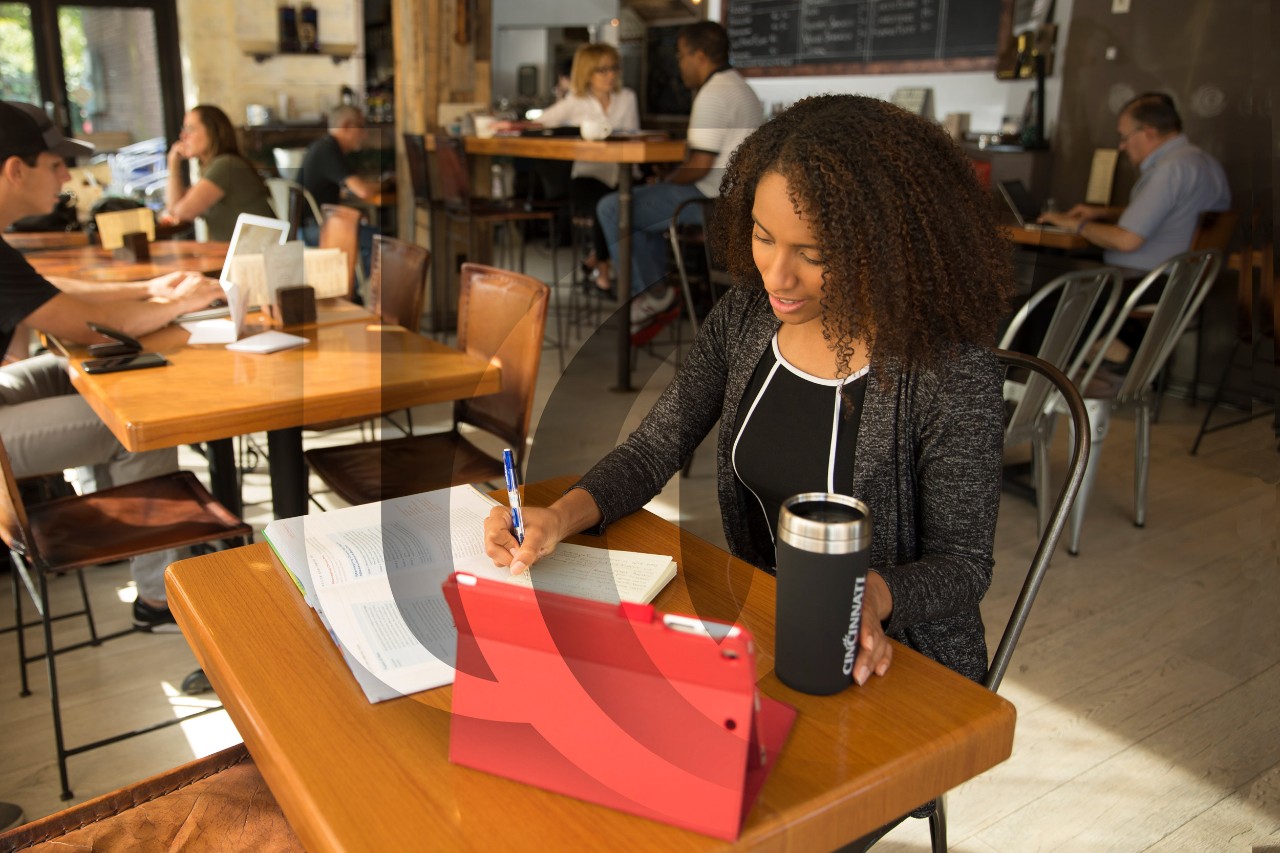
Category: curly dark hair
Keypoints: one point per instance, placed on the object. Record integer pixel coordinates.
(914, 264)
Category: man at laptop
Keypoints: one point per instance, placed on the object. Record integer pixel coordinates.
(45, 424)
(1177, 182)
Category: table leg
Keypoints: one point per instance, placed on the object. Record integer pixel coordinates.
(224, 479)
(288, 472)
(623, 266)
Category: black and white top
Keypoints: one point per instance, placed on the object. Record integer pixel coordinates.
(794, 433)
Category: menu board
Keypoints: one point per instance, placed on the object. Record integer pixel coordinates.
(783, 34)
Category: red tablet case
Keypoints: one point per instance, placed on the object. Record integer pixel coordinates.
(612, 704)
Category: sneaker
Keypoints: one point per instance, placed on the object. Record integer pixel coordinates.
(196, 683)
(156, 620)
(646, 306)
(10, 816)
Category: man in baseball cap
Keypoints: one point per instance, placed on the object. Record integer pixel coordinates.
(26, 129)
(45, 424)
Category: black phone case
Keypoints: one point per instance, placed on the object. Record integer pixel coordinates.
(125, 343)
(141, 362)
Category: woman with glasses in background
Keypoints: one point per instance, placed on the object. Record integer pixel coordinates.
(596, 94)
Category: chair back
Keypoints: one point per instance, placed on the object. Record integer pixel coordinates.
(1214, 229)
(340, 229)
(453, 171)
(501, 318)
(415, 154)
(1080, 441)
(398, 281)
(15, 529)
(1187, 279)
(1072, 329)
(718, 279)
(289, 199)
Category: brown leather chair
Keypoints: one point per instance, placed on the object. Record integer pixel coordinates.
(341, 230)
(213, 803)
(501, 318)
(397, 289)
(398, 281)
(72, 534)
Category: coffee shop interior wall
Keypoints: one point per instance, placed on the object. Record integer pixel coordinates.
(987, 100)
(217, 70)
(1219, 63)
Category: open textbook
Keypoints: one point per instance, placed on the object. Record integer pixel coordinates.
(374, 572)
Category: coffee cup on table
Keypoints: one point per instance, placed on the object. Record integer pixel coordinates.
(823, 551)
(484, 126)
(595, 129)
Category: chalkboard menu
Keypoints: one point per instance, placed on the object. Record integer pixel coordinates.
(783, 34)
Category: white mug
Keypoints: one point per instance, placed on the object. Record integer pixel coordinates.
(484, 126)
(595, 129)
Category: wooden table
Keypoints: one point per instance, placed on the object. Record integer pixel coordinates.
(355, 776)
(1067, 241)
(351, 368)
(40, 241)
(94, 263)
(623, 151)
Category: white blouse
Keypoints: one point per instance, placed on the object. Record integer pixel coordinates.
(623, 114)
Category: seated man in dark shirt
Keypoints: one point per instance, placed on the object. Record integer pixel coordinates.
(326, 171)
(46, 426)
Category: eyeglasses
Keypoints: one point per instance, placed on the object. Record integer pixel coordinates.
(1124, 137)
(605, 69)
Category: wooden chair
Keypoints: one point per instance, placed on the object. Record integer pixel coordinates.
(1057, 522)
(470, 212)
(68, 535)
(501, 318)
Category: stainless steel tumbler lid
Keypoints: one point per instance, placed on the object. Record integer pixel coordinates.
(824, 523)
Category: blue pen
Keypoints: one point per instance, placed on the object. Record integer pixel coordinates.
(513, 494)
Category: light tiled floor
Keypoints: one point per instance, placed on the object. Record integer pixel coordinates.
(1146, 683)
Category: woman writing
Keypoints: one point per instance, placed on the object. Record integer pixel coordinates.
(229, 184)
(853, 356)
(596, 94)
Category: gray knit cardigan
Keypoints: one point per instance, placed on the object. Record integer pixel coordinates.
(927, 465)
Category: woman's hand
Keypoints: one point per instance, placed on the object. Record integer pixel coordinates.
(875, 652)
(544, 528)
(542, 533)
(177, 153)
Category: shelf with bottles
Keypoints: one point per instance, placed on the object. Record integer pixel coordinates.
(261, 51)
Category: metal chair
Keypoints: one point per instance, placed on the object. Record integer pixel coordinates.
(1187, 279)
(288, 199)
(1085, 300)
(501, 318)
(70, 534)
(684, 237)
(1057, 520)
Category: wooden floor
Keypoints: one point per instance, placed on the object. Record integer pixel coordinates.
(1147, 683)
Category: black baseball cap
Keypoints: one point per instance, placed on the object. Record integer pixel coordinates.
(26, 129)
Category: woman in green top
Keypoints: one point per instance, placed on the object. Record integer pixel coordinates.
(229, 184)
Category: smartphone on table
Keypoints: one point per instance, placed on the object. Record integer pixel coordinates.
(115, 363)
(121, 344)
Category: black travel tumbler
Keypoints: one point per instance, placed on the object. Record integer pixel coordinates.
(823, 549)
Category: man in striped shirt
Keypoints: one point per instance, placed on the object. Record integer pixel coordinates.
(725, 111)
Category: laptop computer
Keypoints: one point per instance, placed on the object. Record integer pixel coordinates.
(251, 237)
(1024, 208)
